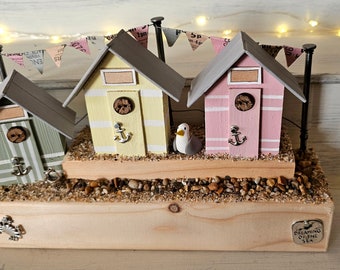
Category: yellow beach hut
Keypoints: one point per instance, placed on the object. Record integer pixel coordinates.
(126, 94)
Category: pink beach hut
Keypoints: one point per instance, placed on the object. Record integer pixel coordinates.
(243, 88)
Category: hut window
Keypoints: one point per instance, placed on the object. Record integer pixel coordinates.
(245, 75)
(118, 76)
(17, 134)
(244, 102)
(123, 105)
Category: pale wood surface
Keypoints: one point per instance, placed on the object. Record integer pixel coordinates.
(132, 259)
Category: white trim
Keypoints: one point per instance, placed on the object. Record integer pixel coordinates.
(153, 123)
(216, 109)
(55, 163)
(4, 162)
(259, 78)
(52, 155)
(156, 148)
(276, 109)
(117, 70)
(13, 178)
(100, 124)
(214, 148)
(95, 93)
(216, 139)
(270, 149)
(105, 149)
(217, 97)
(272, 97)
(270, 140)
(151, 93)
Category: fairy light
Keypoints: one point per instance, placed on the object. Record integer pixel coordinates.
(313, 23)
(201, 20)
(227, 32)
(55, 39)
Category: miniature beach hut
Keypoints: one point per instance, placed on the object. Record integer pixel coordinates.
(243, 88)
(126, 94)
(33, 126)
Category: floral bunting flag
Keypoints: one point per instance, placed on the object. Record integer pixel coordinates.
(272, 49)
(195, 39)
(219, 43)
(171, 35)
(81, 45)
(37, 59)
(56, 53)
(292, 54)
(16, 57)
(141, 34)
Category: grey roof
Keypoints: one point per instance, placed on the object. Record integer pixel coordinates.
(145, 62)
(20, 90)
(241, 44)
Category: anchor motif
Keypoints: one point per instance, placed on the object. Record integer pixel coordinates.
(122, 137)
(236, 133)
(18, 167)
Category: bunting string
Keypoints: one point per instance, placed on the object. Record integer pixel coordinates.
(141, 34)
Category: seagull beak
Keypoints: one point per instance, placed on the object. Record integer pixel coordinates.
(180, 132)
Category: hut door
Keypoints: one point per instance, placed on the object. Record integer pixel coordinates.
(20, 160)
(127, 122)
(244, 119)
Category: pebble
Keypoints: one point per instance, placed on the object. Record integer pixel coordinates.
(133, 184)
(271, 182)
(213, 186)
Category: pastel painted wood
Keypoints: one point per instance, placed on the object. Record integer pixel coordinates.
(243, 66)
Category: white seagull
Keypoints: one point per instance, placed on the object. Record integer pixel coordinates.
(186, 143)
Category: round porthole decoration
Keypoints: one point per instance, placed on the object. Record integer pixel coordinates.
(123, 105)
(244, 102)
(17, 134)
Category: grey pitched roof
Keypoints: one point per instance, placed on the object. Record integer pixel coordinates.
(145, 62)
(241, 44)
(20, 90)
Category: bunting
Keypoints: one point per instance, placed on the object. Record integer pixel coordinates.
(195, 39)
(292, 54)
(219, 43)
(16, 57)
(81, 45)
(37, 59)
(141, 34)
(56, 53)
(272, 50)
(171, 35)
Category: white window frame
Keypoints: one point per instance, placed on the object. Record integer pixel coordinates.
(259, 77)
(116, 70)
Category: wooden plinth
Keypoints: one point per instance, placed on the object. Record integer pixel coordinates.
(252, 226)
(172, 169)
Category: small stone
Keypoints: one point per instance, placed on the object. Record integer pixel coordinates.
(94, 184)
(302, 189)
(88, 190)
(257, 180)
(196, 188)
(282, 180)
(220, 190)
(133, 184)
(271, 182)
(146, 187)
(243, 192)
(281, 187)
(213, 186)
(305, 163)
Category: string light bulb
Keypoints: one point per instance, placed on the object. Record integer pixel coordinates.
(313, 23)
(201, 20)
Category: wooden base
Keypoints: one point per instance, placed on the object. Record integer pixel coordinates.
(173, 168)
(252, 226)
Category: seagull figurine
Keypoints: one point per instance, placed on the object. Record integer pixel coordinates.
(186, 143)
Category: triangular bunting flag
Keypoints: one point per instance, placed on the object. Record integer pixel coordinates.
(16, 57)
(171, 35)
(56, 53)
(96, 41)
(292, 54)
(81, 45)
(37, 59)
(195, 40)
(141, 34)
(219, 43)
(272, 49)
(110, 37)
